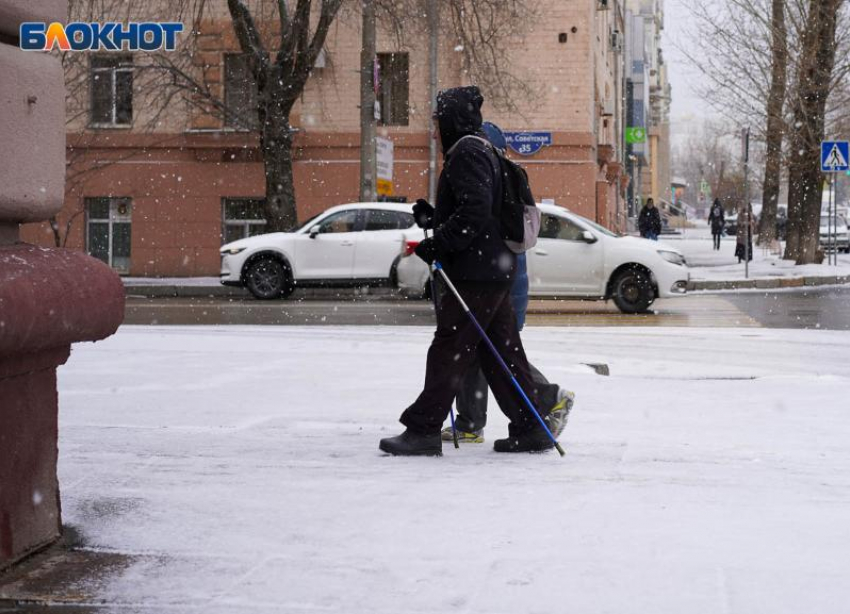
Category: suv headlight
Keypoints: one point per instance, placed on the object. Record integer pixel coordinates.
(232, 251)
(673, 257)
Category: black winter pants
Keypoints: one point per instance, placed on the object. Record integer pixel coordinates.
(455, 346)
(716, 236)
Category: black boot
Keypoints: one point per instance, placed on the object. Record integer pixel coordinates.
(410, 443)
(532, 440)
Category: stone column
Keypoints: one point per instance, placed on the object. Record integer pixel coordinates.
(49, 298)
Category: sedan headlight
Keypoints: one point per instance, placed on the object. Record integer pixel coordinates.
(232, 251)
(672, 257)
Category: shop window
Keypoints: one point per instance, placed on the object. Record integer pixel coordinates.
(240, 93)
(108, 232)
(394, 88)
(111, 91)
(241, 218)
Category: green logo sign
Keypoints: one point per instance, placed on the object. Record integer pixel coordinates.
(635, 134)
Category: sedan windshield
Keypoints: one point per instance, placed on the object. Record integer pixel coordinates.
(596, 226)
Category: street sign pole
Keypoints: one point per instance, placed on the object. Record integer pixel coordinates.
(745, 149)
(834, 158)
(831, 226)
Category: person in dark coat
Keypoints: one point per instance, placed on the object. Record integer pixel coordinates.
(467, 242)
(744, 238)
(717, 221)
(473, 395)
(649, 221)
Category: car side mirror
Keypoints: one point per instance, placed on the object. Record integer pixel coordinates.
(588, 237)
(315, 230)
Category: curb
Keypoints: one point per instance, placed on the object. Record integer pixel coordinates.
(173, 291)
(767, 284)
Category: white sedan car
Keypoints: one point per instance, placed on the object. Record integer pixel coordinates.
(353, 244)
(577, 258)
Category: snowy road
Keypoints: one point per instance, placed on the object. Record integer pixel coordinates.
(239, 466)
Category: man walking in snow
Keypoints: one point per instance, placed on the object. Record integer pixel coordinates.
(649, 221)
(468, 243)
(472, 397)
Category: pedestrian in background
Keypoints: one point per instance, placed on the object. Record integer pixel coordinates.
(649, 221)
(717, 221)
(471, 401)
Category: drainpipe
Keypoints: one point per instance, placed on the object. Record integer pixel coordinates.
(433, 26)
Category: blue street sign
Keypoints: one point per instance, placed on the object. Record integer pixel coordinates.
(834, 156)
(528, 143)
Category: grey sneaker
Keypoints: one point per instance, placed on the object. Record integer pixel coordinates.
(560, 413)
(463, 436)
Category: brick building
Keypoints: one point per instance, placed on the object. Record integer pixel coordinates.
(156, 183)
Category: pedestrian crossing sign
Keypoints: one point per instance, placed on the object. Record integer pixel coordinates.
(834, 156)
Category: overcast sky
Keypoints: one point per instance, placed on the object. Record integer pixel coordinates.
(687, 108)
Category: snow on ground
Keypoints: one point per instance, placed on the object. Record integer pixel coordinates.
(722, 265)
(709, 473)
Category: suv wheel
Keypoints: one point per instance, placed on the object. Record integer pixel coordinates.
(269, 278)
(632, 291)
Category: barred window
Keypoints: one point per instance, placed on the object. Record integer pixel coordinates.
(394, 88)
(240, 93)
(241, 218)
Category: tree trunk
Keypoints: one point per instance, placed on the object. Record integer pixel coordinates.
(775, 124)
(817, 58)
(274, 105)
(280, 211)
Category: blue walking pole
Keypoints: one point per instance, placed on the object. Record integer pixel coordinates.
(434, 299)
(438, 267)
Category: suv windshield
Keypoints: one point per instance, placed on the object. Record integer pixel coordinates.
(309, 222)
(838, 220)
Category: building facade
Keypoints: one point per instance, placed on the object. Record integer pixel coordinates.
(157, 182)
(648, 95)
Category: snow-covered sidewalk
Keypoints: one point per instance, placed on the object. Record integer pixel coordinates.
(708, 265)
(239, 467)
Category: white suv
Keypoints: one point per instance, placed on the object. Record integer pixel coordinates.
(577, 258)
(353, 244)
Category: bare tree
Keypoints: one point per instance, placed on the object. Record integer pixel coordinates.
(711, 157)
(281, 40)
(814, 81)
(280, 77)
(775, 129)
(743, 49)
(481, 31)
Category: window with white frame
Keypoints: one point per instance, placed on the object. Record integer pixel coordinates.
(241, 218)
(111, 90)
(108, 232)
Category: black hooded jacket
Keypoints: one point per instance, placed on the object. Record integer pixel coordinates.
(469, 192)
